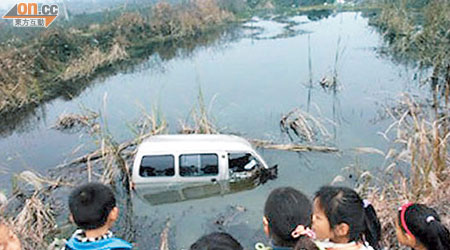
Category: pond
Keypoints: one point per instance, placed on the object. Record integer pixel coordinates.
(264, 69)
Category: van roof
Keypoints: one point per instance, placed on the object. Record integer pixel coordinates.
(193, 142)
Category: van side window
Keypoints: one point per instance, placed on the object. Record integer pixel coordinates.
(240, 162)
(195, 165)
(157, 166)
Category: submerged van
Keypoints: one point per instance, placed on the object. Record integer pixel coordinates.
(165, 194)
(197, 158)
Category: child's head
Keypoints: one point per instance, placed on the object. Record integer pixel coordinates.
(8, 240)
(92, 206)
(216, 241)
(341, 216)
(419, 225)
(285, 209)
(305, 243)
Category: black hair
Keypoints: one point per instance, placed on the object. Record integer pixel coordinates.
(285, 209)
(91, 204)
(216, 241)
(344, 205)
(425, 224)
(305, 243)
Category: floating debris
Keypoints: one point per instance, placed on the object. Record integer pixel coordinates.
(75, 122)
(230, 215)
(328, 82)
(292, 147)
(368, 150)
(305, 126)
(164, 243)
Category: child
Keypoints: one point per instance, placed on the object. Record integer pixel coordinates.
(343, 221)
(8, 240)
(286, 209)
(217, 241)
(93, 209)
(420, 227)
(305, 243)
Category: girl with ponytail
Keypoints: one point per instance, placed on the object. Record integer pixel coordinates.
(286, 220)
(420, 227)
(342, 220)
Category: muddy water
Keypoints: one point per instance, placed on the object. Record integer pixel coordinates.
(248, 83)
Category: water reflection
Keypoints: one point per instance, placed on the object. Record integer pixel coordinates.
(316, 15)
(21, 121)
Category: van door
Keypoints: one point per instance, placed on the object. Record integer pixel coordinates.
(149, 169)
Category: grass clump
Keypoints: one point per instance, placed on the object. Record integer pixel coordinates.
(199, 120)
(423, 138)
(74, 122)
(305, 126)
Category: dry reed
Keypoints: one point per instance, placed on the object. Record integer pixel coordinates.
(417, 165)
(304, 125)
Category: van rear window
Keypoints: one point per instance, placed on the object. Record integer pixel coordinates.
(157, 166)
(197, 165)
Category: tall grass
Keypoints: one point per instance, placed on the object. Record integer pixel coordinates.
(419, 31)
(423, 138)
(112, 158)
(417, 165)
(200, 121)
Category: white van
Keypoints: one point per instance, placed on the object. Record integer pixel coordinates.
(195, 158)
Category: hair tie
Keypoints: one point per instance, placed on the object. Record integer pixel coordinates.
(403, 220)
(430, 219)
(302, 230)
(366, 203)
